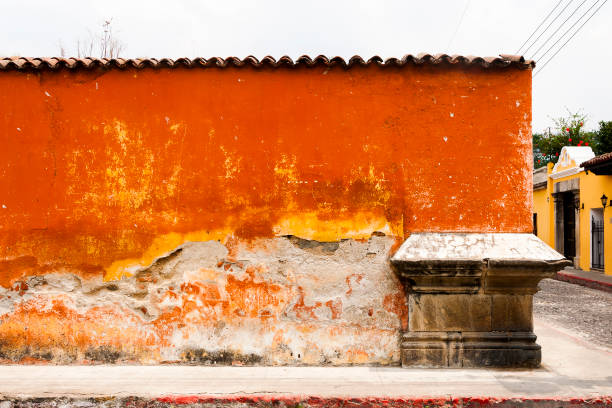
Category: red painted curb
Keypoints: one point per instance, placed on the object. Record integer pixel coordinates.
(281, 401)
(579, 280)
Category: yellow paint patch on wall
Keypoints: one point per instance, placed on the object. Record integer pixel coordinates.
(358, 226)
(306, 225)
(232, 163)
(161, 246)
(286, 168)
(176, 127)
(541, 206)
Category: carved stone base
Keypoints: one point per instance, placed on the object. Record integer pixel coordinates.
(470, 298)
(470, 349)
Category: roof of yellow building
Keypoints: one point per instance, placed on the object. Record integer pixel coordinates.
(601, 159)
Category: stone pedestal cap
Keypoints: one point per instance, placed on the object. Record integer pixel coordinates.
(462, 246)
(460, 262)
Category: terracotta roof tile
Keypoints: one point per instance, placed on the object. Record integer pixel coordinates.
(595, 161)
(52, 63)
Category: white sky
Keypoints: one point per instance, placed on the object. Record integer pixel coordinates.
(579, 78)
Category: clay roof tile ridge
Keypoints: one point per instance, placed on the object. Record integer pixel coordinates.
(52, 63)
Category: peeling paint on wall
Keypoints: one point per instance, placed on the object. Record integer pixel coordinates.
(181, 215)
(273, 301)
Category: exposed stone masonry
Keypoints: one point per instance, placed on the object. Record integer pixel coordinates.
(272, 301)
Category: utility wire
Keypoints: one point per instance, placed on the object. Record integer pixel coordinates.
(536, 30)
(568, 40)
(467, 4)
(558, 28)
(568, 30)
(547, 27)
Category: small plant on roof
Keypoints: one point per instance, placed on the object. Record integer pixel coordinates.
(103, 45)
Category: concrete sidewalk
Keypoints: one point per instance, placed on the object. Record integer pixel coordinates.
(590, 279)
(573, 371)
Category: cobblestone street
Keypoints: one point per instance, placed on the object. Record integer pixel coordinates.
(587, 312)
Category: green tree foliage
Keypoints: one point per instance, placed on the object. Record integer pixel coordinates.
(604, 138)
(569, 131)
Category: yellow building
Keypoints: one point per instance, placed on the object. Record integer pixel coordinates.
(571, 214)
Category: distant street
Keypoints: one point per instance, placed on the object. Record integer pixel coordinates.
(587, 312)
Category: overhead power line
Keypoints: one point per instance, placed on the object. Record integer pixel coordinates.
(467, 4)
(568, 30)
(569, 39)
(547, 27)
(558, 28)
(536, 30)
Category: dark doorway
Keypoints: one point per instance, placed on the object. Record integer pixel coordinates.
(569, 226)
(597, 239)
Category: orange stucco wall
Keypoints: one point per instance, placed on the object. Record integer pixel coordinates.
(102, 172)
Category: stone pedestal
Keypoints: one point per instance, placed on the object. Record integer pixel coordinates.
(470, 298)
